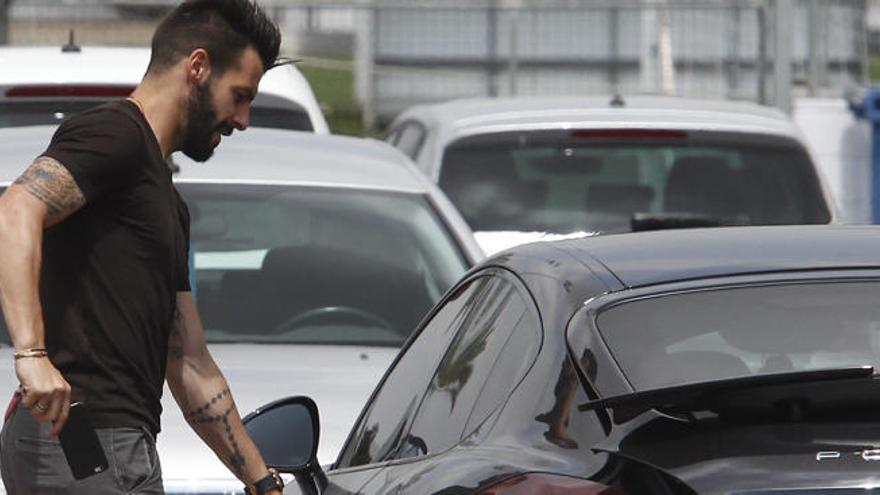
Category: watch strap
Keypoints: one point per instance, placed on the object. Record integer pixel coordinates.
(271, 481)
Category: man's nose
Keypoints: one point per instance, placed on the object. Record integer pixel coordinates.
(242, 118)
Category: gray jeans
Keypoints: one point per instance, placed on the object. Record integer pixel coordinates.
(32, 462)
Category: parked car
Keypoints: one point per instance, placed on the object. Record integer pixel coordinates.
(737, 360)
(43, 85)
(314, 257)
(573, 166)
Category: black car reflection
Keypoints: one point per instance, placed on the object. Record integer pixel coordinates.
(710, 361)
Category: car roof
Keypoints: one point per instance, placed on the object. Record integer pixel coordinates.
(263, 155)
(125, 66)
(656, 257)
(466, 116)
(306, 158)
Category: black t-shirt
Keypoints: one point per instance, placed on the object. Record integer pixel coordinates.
(111, 270)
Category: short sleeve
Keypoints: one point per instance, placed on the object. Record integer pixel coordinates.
(100, 149)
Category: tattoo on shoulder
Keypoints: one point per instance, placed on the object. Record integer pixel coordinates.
(204, 415)
(52, 184)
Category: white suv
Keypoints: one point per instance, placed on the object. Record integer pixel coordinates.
(43, 85)
(527, 169)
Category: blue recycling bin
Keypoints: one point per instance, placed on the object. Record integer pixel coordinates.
(865, 104)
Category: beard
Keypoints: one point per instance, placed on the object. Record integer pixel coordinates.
(198, 139)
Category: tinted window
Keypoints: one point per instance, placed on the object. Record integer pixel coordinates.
(281, 118)
(410, 140)
(463, 372)
(389, 415)
(392, 136)
(316, 265)
(515, 359)
(572, 181)
(731, 333)
(53, 112)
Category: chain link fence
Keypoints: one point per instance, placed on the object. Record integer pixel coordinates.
(395, 53)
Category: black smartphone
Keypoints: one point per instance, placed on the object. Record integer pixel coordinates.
(80, 443)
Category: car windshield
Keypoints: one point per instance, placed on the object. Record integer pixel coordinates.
(596, 180)
(721, 334)
(285, 264)
(52, 112)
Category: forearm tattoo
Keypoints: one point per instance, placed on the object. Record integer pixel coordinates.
(204, 416)
(52, 184)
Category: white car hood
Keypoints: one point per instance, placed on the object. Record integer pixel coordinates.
(339, 378)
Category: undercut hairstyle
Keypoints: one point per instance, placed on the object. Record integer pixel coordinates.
(223, 28)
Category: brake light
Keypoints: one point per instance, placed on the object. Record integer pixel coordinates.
(69, 91)
(628, 134)
(548, 484)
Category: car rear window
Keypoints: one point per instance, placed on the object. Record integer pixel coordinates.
(38, 112)
(731, 333)
(595, 181)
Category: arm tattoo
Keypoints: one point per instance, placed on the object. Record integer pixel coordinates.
(52, 184)
(204, 416)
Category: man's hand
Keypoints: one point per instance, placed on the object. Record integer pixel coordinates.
(44, 391)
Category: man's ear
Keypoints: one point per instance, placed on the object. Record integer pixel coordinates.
(198, 66)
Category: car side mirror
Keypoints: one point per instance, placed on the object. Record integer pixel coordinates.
(286, 433)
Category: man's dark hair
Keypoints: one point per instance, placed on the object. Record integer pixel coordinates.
(223, 28)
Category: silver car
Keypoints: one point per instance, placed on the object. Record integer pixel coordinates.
(522, 169)
(313, 258)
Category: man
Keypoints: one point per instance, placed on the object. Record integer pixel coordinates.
(103, 313)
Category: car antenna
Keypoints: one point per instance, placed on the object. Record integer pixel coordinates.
(617, 101)
(71, 46)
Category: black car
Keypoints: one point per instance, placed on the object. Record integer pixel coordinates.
(714, 361)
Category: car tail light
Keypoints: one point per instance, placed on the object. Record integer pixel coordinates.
(628, 134)
(70, 90)
(548, 484)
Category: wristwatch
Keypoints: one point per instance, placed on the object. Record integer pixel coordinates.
(271, 481)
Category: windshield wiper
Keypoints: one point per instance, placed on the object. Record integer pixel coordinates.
(791, 394)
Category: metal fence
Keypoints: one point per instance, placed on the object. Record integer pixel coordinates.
(407, 52)
(712, 49)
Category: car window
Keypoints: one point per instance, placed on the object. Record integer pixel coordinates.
(411, 138)
(392, 136)
(285, 264)
(13, 114)
(390, 412)
(515, 358)
(467, 365)
(295, 119)
(576, 181)
(739, 332)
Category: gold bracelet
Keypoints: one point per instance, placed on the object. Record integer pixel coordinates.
(34, 352)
